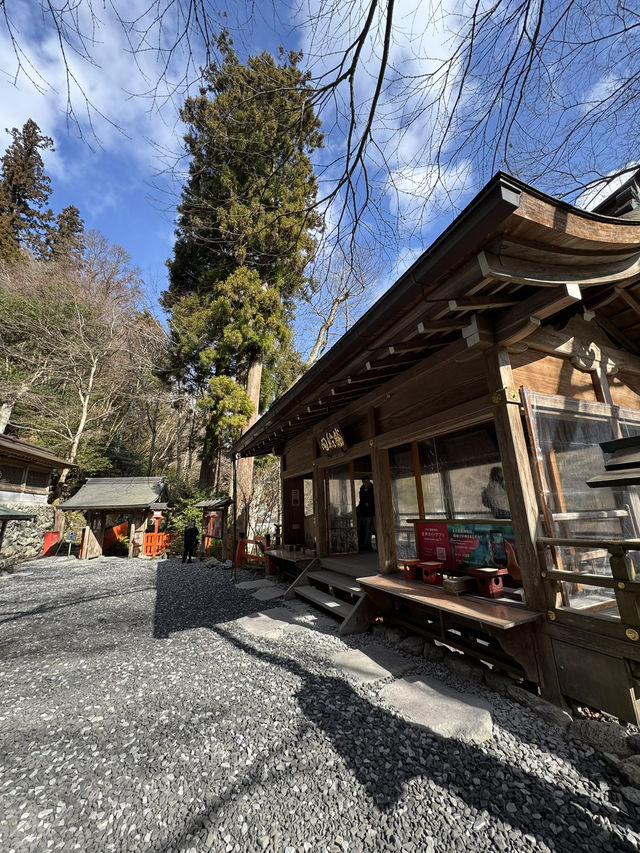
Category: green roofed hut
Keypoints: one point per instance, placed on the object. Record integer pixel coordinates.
(117, 506)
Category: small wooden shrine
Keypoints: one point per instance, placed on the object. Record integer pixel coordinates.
(109, 502)
(476, 392)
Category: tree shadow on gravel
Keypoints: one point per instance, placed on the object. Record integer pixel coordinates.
(193, 596)
(388, 755)
(71, 601)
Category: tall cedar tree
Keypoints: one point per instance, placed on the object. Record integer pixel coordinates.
(244, 233)
(25, 220)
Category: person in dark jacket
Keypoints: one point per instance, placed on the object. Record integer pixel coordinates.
(366, 513)
(190, 541)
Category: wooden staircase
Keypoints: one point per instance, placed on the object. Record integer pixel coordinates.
(336, 592)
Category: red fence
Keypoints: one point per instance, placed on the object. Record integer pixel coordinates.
(156, 543)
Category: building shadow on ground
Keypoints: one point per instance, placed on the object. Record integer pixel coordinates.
(188, 596)
(386, 754)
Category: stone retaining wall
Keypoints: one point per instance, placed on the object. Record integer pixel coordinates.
(23, 540)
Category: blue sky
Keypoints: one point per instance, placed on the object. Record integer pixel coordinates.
(115, 175)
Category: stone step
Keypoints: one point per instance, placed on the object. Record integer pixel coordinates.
(335, 580)
(324, 600)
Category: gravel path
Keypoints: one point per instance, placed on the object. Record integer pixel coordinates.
(136, 714)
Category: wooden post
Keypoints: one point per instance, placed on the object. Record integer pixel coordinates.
(3, 527)
(385, 538)
(320, 504)
(132, 533)
(523, 503)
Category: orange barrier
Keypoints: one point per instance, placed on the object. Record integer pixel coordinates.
(251, 551)
(156, 543)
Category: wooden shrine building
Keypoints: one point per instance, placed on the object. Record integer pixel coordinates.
(112, 501)
(500, 359)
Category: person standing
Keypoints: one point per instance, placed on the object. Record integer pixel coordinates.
(190, 537)
(366, 512)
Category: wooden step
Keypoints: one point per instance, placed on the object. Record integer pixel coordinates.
(324, 600)
(335, 580)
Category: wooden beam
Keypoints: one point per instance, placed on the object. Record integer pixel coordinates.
(516, 323)
(480, 303)
(506, 268)
(523, 505)
(631, 301)
(454, 325)
(565, 345)
(615, 333)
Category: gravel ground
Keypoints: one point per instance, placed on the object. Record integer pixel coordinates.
(136, 715)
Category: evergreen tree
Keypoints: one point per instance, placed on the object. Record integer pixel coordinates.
(25, 220)
(245, 234)
(67, 238)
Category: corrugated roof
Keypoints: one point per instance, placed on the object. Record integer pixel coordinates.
(17, 449)
(7, 514)
(117, 493)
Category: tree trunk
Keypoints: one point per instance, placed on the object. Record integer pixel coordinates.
(209, 456)
(244, 466)
(85, 398)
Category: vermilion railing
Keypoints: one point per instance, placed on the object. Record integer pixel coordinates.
(155, 543)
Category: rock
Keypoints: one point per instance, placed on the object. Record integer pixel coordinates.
(465, 668)
(550, 713)
(632, 795)
(605, 737)
(497, 682)
(394, 635)
(412, 644)
(630, 767)
(433, 653)
(633, 742)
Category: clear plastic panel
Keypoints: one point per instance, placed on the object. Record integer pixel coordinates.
(569, 433)
(405, 499)
(342, 534)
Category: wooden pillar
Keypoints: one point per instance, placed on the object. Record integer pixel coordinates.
(523, 502)
(384, 511)
(3, 527)
(132, 533)
(320, 510)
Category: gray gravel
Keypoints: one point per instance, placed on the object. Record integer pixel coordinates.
(137, 715)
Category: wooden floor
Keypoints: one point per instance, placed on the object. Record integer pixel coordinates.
(355, 566)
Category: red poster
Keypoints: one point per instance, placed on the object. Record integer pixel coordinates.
(433, 541)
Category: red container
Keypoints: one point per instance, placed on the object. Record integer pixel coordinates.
(432, 572)
(410, 570)
(489, 581)
(51, 539)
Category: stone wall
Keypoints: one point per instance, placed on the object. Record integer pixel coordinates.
(23, 540)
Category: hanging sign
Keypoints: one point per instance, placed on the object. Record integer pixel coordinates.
(332, 441)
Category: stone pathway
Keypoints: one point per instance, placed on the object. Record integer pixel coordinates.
(157, 707)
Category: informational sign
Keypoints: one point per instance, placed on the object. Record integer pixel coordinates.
(71, 536)
(461, 545)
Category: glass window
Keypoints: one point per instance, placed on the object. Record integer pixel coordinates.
(455, 471)
(431, 480)
(342, 533)
(405, 498)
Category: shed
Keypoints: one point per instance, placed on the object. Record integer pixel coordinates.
(25, 480)
(507, 352)
(108, 501)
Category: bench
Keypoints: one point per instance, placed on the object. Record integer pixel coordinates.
(291, 563)
(499, 633)
(493, 614)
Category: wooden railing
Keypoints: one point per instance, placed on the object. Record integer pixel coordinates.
(623, 581)
(156, 543)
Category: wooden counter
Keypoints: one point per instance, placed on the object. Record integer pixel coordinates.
(490, 614)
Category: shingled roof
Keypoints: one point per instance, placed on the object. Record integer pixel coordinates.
(118, 493)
